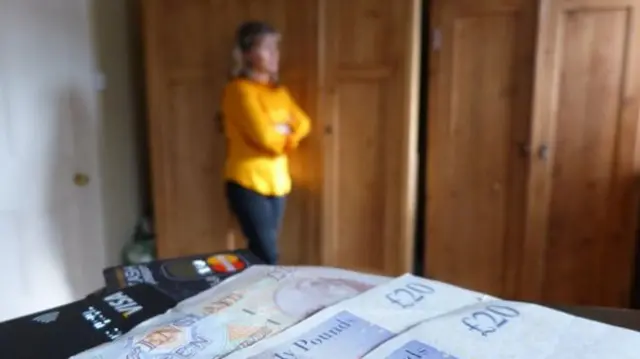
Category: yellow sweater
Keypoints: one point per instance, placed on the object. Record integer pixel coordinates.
(262, 125)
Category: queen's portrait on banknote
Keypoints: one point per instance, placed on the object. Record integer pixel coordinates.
(303, 296)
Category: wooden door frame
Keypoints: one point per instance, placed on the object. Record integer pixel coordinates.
(156, 115)
(535, 224)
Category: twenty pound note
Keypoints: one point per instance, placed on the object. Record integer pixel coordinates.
(251, 306)
(352, 328)
(501, 329)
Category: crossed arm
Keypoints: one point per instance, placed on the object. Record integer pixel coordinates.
(255, 125)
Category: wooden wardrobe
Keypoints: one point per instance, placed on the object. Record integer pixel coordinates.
(533, 148)
(352, 65)
(532, 113)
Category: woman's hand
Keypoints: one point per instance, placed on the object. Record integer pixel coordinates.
(284, 129)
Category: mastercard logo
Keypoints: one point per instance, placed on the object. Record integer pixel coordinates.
(226, 263)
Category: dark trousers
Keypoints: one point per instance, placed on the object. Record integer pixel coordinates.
(259, 217)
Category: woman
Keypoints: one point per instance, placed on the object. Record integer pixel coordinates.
(263, 125)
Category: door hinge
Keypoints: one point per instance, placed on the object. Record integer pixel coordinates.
(436, 41)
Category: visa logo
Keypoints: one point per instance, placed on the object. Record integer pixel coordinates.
(123, 304)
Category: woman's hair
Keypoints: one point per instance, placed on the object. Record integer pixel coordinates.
(250, 32)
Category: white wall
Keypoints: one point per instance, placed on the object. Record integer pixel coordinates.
(55, 236)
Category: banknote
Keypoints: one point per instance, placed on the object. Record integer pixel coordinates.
(242, 310)
(503, 329)
(353, 327)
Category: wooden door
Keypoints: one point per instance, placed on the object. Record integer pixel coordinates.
(582, 202)
(479, 95)
(369, 80)
(188, 52)
(51, 228)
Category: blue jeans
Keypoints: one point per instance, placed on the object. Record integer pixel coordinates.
(259, 217)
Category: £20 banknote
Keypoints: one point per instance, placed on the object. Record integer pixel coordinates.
(352, 328)
(249, 307)
(502, 329)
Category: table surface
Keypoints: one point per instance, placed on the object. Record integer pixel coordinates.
(626, 318)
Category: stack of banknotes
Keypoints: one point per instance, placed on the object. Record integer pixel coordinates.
(328, 313)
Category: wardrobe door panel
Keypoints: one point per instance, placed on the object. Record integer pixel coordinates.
(187, 151)
(369, 81)
(580, 241)
(479, 110)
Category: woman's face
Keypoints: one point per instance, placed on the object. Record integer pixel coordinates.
(265, 56)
